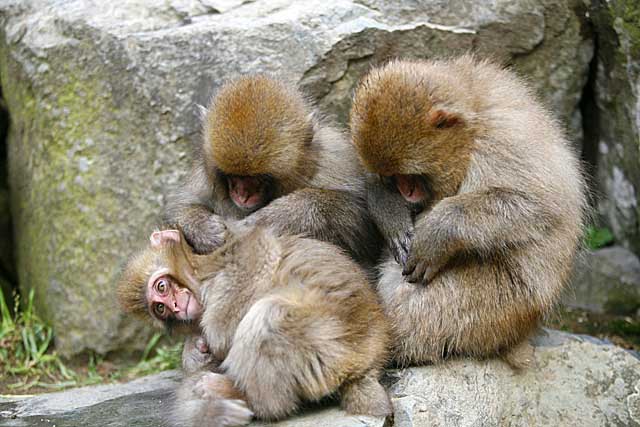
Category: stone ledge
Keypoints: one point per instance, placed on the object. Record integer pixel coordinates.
(576, 381)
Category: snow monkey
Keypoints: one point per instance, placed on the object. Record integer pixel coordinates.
(267, 158)
(480, 199)
(291, 319)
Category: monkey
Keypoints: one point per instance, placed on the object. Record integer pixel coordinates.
(268, 158)
(481, 202)
(290, 319)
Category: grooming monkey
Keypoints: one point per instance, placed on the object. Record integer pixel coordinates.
(266, 158)
(291, 320)
(480, 199)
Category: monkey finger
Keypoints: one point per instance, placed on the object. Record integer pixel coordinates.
(413, 272)
(201, 345)
(417, 276)
(404, 255)
(405, 245)
(396, 254)
(400, 251)
(430, 272)
(422, 273)
(409, 267)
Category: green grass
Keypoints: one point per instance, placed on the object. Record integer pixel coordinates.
(596, 238)
(157, 358)
(25, 343)
(619, 329)
(28, 361)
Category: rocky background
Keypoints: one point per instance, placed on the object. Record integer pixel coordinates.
(98, 116)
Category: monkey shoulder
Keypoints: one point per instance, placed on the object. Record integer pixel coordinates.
(338, 167)
(322, 265)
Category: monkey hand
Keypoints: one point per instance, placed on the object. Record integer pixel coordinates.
(423, 263)
(196, 355)
(207, 235)
(399, 246)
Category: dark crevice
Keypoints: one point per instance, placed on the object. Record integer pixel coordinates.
(8, 279)
(590, 125)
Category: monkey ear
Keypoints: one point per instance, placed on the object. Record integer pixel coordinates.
(160, 238)
(441, 119)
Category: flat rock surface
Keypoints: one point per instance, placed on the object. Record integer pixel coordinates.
(575, 381)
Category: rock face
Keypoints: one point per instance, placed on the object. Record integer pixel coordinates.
(575, 381)
(607, 280)
(102, 102)
(618, 111)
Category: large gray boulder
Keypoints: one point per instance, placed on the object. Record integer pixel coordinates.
(102, 98)
(618, 112)
(575, 381)
(606, 281)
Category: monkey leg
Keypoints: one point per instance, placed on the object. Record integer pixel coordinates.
(471, 311)
(289, 347)
(366, 396)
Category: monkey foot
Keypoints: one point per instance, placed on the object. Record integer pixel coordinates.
(213, 385)
(233, 413)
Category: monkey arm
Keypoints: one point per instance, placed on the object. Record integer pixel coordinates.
(495, 219)
(204, 230)
(392, 217)
(189, 208)
(339, 217)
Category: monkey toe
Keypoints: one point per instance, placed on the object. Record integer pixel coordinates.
(366, 397)
(429, 273)
(234, 413)
(213, 385)
(521, 356)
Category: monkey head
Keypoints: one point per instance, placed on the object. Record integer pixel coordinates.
(412, 126)
(161, 282)
(257, 137)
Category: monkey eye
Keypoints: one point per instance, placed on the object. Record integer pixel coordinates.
(159, 309)
(161, 286)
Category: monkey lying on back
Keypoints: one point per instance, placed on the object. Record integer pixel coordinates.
(292, 320)
(481, 201)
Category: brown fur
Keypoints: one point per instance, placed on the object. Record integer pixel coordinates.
(261, 126)
(496, 242)
(293, 320)
(209, 399)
